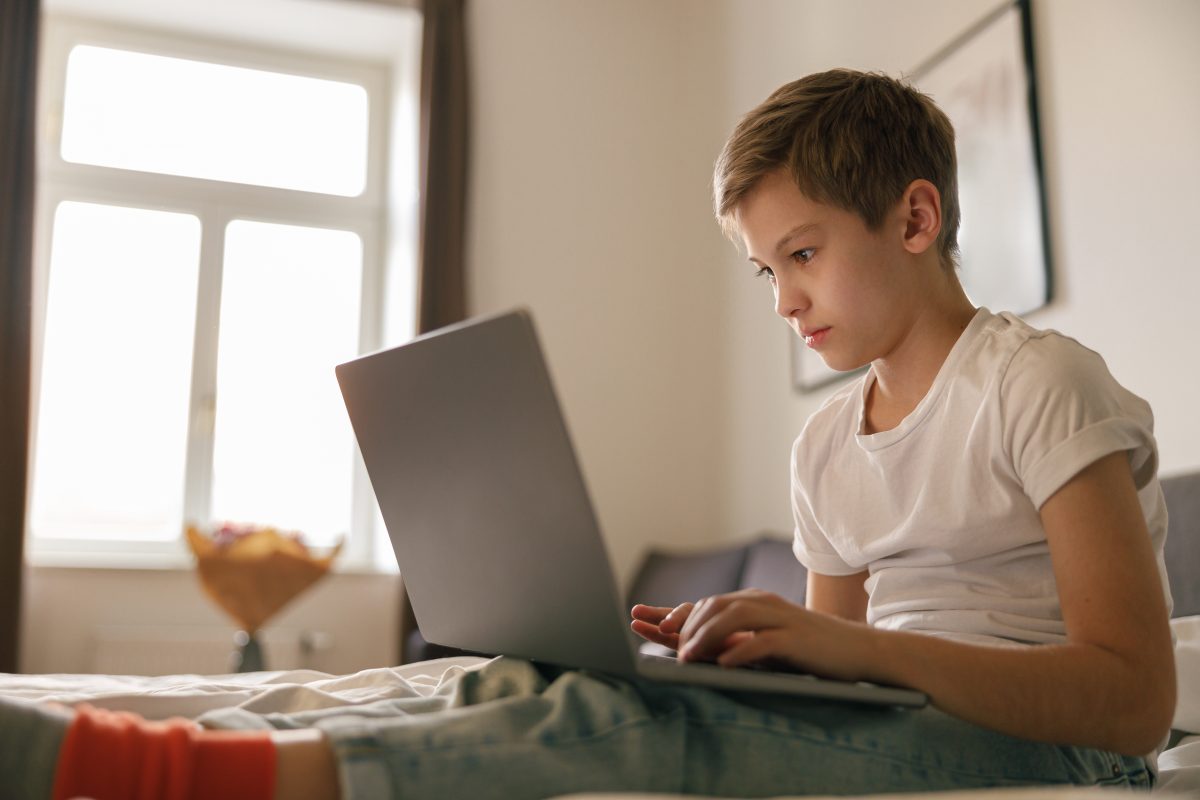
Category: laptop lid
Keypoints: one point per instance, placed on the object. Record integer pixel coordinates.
(492, 526)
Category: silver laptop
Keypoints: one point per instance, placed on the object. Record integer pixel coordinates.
(487, 511)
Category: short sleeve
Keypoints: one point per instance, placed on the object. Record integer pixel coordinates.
(811, 545)
(1063, 410)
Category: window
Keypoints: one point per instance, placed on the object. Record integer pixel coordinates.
(204, 120)
(113, 410)
(213, 238)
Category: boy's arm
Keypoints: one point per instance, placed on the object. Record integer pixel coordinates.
(842, 596)
(1111, 685)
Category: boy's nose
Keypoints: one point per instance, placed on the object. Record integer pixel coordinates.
(790, 299)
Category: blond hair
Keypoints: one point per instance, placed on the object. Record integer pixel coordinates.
(850, 139)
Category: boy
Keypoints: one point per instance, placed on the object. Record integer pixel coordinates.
(1038, 535)
(979, 515)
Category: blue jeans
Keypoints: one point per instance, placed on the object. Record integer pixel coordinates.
(512, 730)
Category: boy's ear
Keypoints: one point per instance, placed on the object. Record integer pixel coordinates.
(921, 205)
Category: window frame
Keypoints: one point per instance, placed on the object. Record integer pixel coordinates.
(215, 203)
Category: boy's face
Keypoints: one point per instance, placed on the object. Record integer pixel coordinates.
(840, 286)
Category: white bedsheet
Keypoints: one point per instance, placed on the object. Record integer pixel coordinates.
(258, 692)
(297, 691)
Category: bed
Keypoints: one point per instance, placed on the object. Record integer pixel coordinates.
(237, 701)
(233, 701)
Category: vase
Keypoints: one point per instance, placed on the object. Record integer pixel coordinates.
(247, 655)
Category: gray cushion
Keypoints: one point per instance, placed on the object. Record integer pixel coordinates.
(668, 579)
(1182, 550)
(771, 565)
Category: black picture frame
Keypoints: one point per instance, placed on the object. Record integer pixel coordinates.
(985, 81)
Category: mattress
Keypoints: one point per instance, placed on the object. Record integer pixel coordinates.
(222, 698)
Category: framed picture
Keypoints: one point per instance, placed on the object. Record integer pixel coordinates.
(984, 81)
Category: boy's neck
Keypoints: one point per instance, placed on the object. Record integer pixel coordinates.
(904, 375)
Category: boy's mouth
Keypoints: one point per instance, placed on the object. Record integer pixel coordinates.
(814, 338)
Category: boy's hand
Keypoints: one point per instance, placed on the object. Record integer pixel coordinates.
(660, 624)
(752, 626)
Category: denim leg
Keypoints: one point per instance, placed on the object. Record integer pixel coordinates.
(512, 730)
(759, 745)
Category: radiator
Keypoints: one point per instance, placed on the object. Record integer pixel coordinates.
(182, 650)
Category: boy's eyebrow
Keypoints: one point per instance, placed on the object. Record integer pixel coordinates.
(794, 232)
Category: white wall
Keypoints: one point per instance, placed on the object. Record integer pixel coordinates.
(1123, 143)
(64, 609)
(595, 126)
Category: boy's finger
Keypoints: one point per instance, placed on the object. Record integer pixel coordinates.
(654, 614)
(674, 621)
(746, 650)
(651, 633)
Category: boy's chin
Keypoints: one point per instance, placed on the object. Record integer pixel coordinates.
(842, 364)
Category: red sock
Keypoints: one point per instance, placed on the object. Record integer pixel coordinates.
(116, 755)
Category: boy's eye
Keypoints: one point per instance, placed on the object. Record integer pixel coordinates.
(803, 256)
(765, 271)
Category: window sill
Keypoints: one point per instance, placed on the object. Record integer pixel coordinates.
(165, 562)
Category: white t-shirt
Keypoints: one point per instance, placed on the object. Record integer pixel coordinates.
(943, 509)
